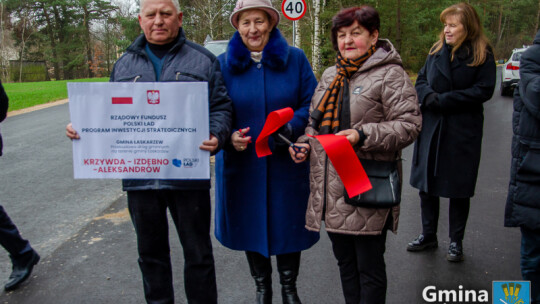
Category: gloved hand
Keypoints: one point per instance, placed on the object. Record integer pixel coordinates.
(432, 102)
(285, 130)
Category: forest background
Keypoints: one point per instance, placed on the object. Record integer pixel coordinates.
(70, 39)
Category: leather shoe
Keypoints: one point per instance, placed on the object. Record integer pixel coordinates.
(423, 243)
(21, 271)
(455, 252)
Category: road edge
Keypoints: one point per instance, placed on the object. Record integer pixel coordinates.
(37, 107)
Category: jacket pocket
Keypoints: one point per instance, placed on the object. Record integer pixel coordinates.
(529, 168)
(129, 78)
(189, 76)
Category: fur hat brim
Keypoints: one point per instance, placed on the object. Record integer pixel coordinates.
(272, 12)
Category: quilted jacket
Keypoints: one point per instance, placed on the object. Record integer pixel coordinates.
(523, 202)
(384, 105)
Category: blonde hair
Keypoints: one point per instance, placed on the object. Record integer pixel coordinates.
(474, 32)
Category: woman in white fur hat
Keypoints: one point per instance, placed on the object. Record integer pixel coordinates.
(261, 202)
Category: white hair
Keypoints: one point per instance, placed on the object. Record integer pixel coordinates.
(174, 2)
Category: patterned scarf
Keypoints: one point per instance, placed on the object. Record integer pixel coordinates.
(326, 117)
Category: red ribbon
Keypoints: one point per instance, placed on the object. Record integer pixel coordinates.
(347, 165)
(274, 121)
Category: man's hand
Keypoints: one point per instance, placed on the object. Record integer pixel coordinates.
(71, 133)
(210, 145)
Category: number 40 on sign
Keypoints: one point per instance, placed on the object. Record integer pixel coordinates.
(293, 9)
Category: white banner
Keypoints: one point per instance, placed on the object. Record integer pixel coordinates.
(147, 130)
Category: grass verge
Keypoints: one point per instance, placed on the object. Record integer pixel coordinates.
(28, 94)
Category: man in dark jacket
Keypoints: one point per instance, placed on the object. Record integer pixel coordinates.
(23, 257)
(163, 54)
(523, 203)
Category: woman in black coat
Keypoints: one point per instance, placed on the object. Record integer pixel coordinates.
(523, 202)
(457, 78)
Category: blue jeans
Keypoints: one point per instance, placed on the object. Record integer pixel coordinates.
(530, 261)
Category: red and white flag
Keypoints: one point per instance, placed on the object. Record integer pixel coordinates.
(122, 100)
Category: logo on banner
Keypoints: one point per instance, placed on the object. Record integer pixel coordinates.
(177, 163)
(153, 96)
(512, 292)
(357, 90)
(190, 162)
(122, 100)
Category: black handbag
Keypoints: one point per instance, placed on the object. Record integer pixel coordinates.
(384, 178)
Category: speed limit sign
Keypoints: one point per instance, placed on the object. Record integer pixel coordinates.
(293, 9)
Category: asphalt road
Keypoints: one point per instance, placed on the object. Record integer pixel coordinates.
(37, 188)
(82, 230)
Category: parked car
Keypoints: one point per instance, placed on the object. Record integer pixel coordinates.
(510, 73)
(217, 47)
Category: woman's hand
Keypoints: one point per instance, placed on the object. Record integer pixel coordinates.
(352, 135)
(71, 133)
(239, 139)
(299, 157)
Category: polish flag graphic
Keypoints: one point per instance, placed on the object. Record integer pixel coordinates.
(122, 100)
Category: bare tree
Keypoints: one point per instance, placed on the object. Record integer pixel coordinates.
(537, 18)
(316, 54)
(211, 11)
(2, 43)
(24, 28)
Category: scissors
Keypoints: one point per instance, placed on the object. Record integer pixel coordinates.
(296, 148)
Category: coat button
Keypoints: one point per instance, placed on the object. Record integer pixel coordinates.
(259, 66)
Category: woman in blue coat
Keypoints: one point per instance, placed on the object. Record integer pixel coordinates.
(458, 77)
(261, 202)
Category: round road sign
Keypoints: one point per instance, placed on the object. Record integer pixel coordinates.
(293, 9)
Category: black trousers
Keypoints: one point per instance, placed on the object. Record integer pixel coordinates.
(11, 239)
(190, 211)
(458, 215)
(530, 261)
(361, 267)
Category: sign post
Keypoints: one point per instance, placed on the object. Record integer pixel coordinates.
(140, 130)
(293, 10)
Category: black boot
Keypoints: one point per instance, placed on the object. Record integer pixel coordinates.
(422, 243)
(288, 266)
(22, 268)
(261, 271)
(455, 252)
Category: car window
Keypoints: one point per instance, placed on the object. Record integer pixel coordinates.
(217, 48)
(516, 56)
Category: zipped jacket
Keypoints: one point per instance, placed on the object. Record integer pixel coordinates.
(523, 202)
(384, 106)
(185, 62)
